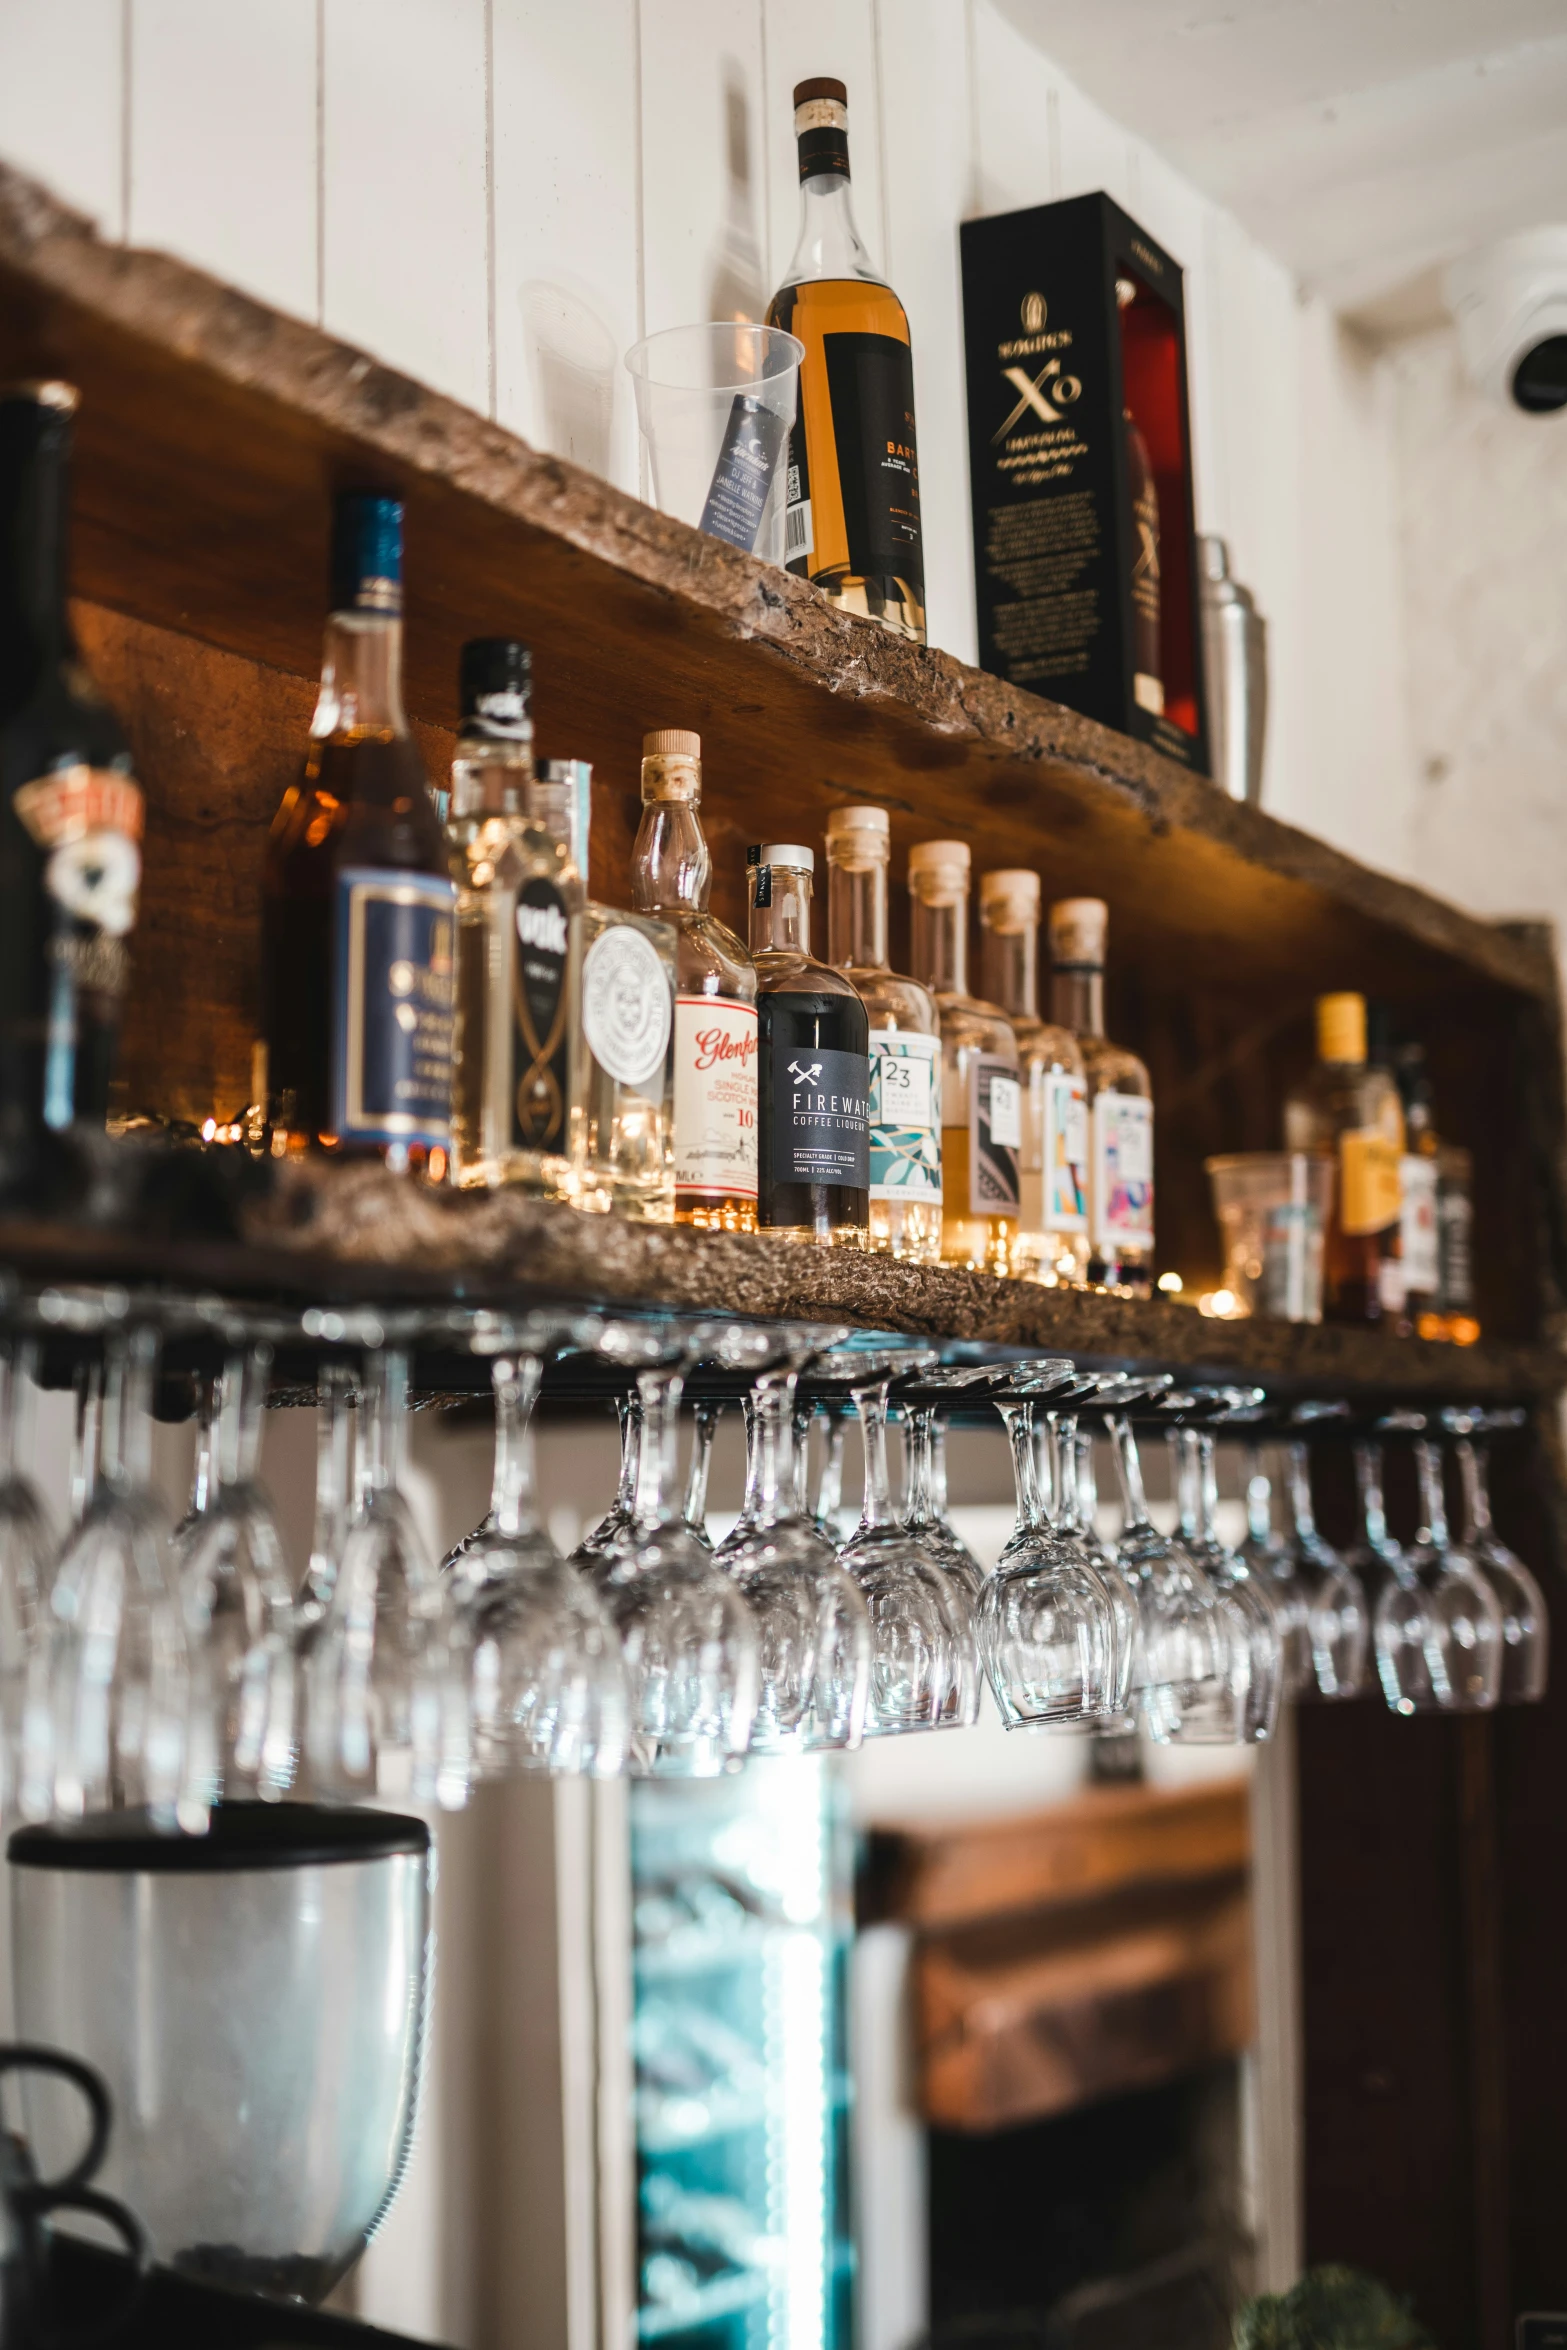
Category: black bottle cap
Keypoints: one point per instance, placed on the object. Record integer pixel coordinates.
(495, 681)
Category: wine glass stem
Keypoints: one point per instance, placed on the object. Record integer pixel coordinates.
(917, 1427)
(704, 1424)
(244, 1394)
(1259, 1497)
(1207, 1484)
(1069, 1508)
(771, 1486)
(871, 1404)
(87, 1439)
(1018, 1418)
(659, 1449)
(1301, 1512)
(1368, 1477)
(386, 1394)
(1087, 1481)
(1188, 1478)
(334, 1433)
(1433, 1502)
(515, 1381)
(830, 1493)
(1129, 1469)
(1474, 1469)
(127, 1408)
(938, 1466)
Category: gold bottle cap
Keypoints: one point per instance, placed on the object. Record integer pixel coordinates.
(671, 765)
(1009, 899)
(858, 837)
(1077, 932)
(1341, 1028)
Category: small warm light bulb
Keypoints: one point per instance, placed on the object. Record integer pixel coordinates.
(1171, 1284)
(209, 1130)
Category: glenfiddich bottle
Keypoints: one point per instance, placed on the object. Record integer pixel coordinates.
(1052, 1242)
(853, 521)
(358, 904)
(813, 1093)
(70, 838)
(715, 994)
(1120, 1104)
(1352, 1110)
(517, 891)
(981, 1100)
(905, 1042)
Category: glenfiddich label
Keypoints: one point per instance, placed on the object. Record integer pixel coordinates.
(540, 1002)
(905, 1117)
(1123, 1171)
(90, 822)
(392, 1006)
(995, 1136)
(715, 1097)
(821, 1118)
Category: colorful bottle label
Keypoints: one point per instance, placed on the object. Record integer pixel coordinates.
(392, 1006)
(541, 1002)
(905, 1117)
(627, 1007)
(715, 1097)
(870, 385)
(1419, 1237)
(1370, 1190)
(1064, 1153)
(1123, 1171)
(995, 1136)
(821, 1118)
(89, 821)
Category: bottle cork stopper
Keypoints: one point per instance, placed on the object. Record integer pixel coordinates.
(1009, 898)
(938, 871)
(671, 742)
(824, 86)
(1077, 931)
(858, 836)
(1341, 1028)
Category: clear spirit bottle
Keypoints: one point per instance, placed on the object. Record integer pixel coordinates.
(905, 1042)
(1419, 1173)
(853, 518)
(623, 1065)
(981, 1099)
(1052, 1241)
(715, 994)
(1120, 1104)
(1351, 1110)
(814, 1076)
(357, 903)
(517, 893)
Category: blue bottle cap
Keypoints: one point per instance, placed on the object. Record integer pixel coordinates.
(367, 553)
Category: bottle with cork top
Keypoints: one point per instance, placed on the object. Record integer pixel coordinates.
(981, 1101)
(813, 1092)
(905, 1042)
(1351, 1110)
(1120, 1104)
(715, 1043)
(1052, 1242)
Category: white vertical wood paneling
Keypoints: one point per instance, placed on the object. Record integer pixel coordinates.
(927, 166)
(704, 187)
(223, 140)
(62, 100)
(804, 38)
(567, 227)
(406, 267)
(1093, 152)
(1015, 110)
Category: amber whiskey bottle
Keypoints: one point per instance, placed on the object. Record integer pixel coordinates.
(853, 517)
(1350, 1109)
(358, 905)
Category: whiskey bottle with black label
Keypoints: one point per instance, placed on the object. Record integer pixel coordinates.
(853, 525)
(813, 1089)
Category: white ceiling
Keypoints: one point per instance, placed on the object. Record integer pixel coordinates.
(1364, 142)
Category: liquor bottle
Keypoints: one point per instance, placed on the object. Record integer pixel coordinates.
(715, 994)
(981, 1101)
(517, 891)
(70, 864)
(1120, 1104)
(1419, 1245)
(623, 1066)
(1052, 1241)
(905, 1042)
(813, 1093)
(853, 523)
(357, 936)
(1352, 1111)
(1143, 564)
(1455, 1226)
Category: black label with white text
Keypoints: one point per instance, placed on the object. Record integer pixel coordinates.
(821, 1118)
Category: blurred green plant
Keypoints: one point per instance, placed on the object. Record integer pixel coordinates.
(1330, 2309)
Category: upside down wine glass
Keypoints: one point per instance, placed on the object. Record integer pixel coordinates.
(1437, 1625)
(1047, 1629)
(1255, 1627)
(1184, 1677)
(26, 1550)
(1525, 1617)
(1267, 1555)
(1337, 1625)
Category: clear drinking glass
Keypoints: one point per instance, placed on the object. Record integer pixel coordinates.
(386, 1675)
(1184, 1677)
(1255, 1625)
(1526, 1628)
(1047, 1629)
(26, 1555)
(1267, 1555)
(1437, 1625)
(1337, 1624)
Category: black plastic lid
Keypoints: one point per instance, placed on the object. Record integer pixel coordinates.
(495, 678)
(242, 1836)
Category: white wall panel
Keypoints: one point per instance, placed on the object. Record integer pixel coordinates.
(567, 227)
(927, 166)
(704, 183)
(1094, 152)
(1014, 112)
(223, 140)
(804, 38)
(62, 100)
(405, 232)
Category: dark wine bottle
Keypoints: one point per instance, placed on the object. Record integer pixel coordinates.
(358, 913)
(813, 1067)
(70, 836)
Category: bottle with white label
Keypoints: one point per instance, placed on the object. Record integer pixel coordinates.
(715, 994)
(623, 1065)
(981, 1097)
(814, 1084)
(1052, 1243)
(1120, 1104)
(905, 1042)
(1419, 1234)
(1349, 1107)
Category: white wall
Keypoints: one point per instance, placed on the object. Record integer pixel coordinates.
(499, 196)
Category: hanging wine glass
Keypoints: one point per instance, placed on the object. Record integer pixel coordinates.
(204, 1467)
(237, 1601)
(86, 1437)
(925, 1447)
(26, 1556)
(1437, 1625)
(386, 1671)
(834, 1523)
(1254, 1627)
(112, 1730)
(548, 1686)
(705, 1416)
(1337, 1623)
(1185, 1673)
(334, 1492)
(1373, 1558)
(601, 1541)
(1076, 1510)
(687, 1638)
(1266, 1554)
(1525, 1617)
(924, 1664)
(1408, 1638)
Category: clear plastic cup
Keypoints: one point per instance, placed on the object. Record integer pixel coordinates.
(715, 404)
(1273, 1209)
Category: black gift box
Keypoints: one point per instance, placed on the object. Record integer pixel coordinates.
(1075, 334)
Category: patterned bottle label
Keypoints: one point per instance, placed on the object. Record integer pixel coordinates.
(995, 1136)
(821, 1118)
(626, 1005)
(905, 1117)
(540, 1002)
(715, 1098)
(1123, 1171)
(1419, 1245)
(1064, 1160)
(392, 1007)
